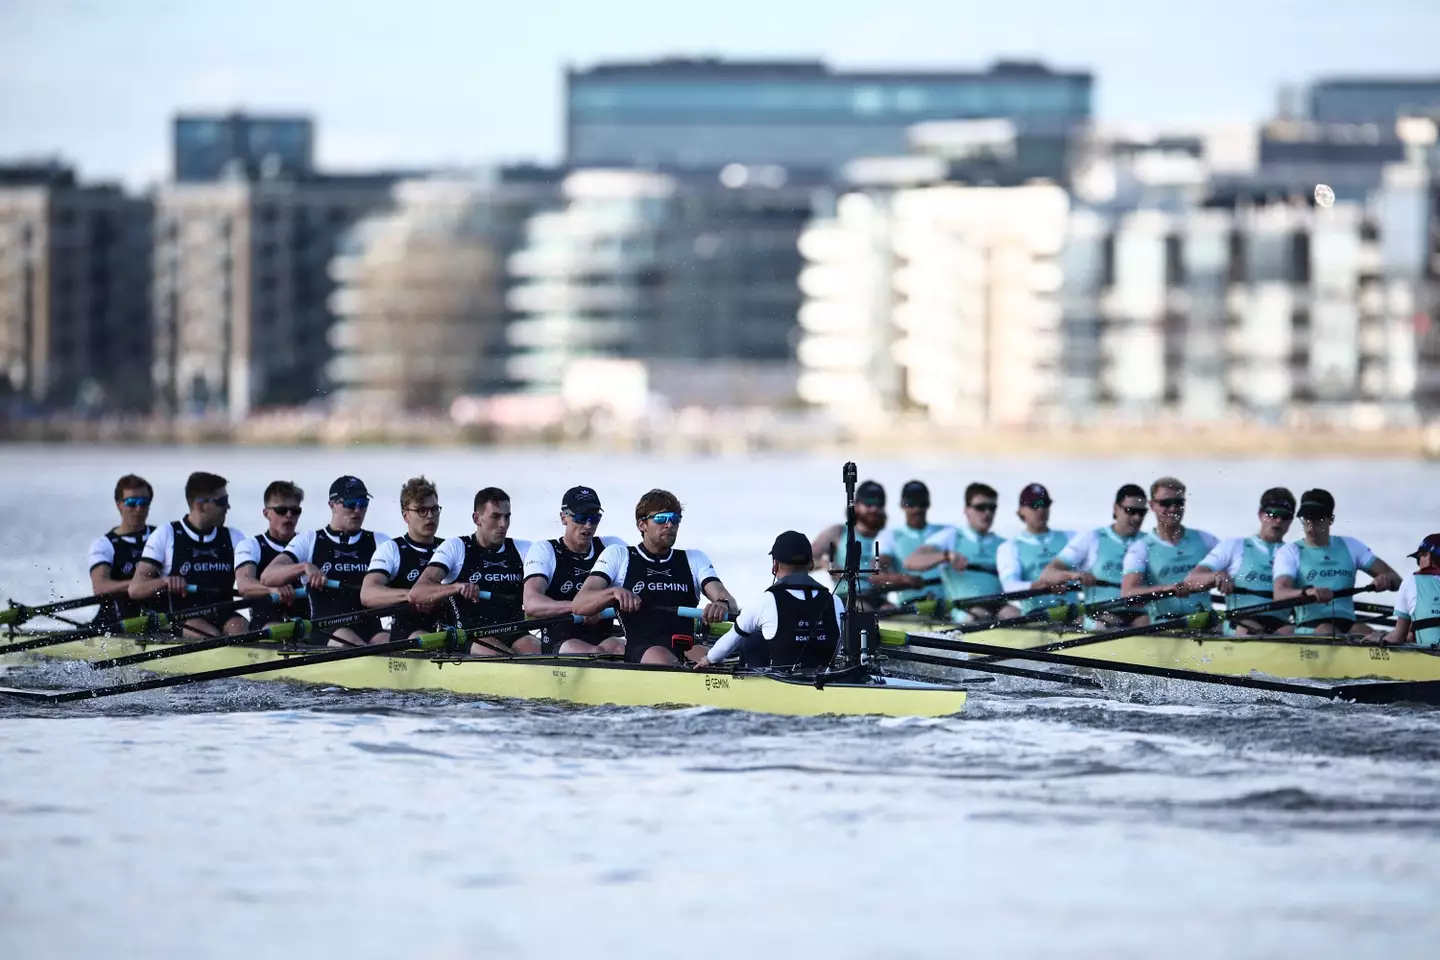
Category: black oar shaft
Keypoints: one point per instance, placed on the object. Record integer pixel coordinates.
(985, 666)
(18, 613)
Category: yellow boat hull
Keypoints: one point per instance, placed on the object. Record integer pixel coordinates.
(589, 682)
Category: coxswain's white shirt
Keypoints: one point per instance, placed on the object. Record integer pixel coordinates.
(160, 547)
(763, 617)
(540, 558)
(451, 556)
(614, 563)
(1287, 558)
(302, 548)
(249, 550)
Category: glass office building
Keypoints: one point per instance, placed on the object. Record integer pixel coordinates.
(239, 146)
(1377, 100)
(798, 114)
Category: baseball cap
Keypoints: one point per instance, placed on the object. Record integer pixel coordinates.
(348, 488)
(580, 499)
(1128, 491)
(793, 548)
(1033, 492)
(1277, 497)
(1317, 503)
(1430, 545)
(870, 492)
(915, 494)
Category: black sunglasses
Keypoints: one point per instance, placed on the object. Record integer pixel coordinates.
(985, 507)
(1171, 502)
(1134, 511)
(286, 511)
(1278, 513)
(222, 502)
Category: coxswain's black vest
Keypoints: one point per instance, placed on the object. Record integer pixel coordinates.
(502, 572)
(128, 548)
(265, 610)
(342, 557)
(413, 558)
(210, 566)
(807, 630)
(658, 583)
(571, 569)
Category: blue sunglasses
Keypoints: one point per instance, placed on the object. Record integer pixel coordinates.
(136, 501)
(665, 519)
(354, 503)
(585, 519)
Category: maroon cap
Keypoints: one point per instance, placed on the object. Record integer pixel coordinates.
(1035, 491)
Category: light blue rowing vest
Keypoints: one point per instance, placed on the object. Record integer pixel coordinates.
(979, 578)
(1427, 608)
(867, 560)
(1109, 564)
(1257, 565)
(1328, 566)
(1169, 564)
(907, 539)
(1035, 552)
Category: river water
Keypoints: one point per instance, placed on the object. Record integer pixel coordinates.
(247, 819)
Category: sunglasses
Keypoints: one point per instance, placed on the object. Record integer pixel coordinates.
(222, 502)
(136, 501)
(1040, 504)
(354, 503)
(285, 511)
(1135, 511)
(587, 519)
(1277, 513)
(423, 511)
(1171, 502)
(665, 519)
(983, 507)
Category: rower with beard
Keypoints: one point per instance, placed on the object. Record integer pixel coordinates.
(640, 582)
(396, 566)
(555, 569)
(197, 550)
(897, 543)
(966, 557)
(252, 557)
(1096, 558)
(113, 556)
(1326, 564)
(340, 551)
(796, 623)
(487, 561)
(1023, 559)
(830, 547)
(1248, 563)
(1160, 560)
(1417, 606)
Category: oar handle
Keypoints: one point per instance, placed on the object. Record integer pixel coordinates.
(607, 614)
(694, 613)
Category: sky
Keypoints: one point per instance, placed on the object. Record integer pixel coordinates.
(425, 83)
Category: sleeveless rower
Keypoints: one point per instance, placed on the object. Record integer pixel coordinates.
(980, 577)
(262, 551)
(1256, 572)
(207, 565)
(412, 558)
(569, 574)
(1169, 563)
(1035, 551)
(121, 552)
(1329, 566)
(900, 542)
(658, 582)
(500, 570)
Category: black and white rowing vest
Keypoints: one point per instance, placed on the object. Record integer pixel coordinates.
(127, 549)
(658, 583)
(502, 572)
(342, 557)
(807, 631)
(266, 610)
(571, 569)
(209, 566)
(414, 557)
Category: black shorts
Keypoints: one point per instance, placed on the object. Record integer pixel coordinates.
(216, 620)
(364, 629)
(551, 640)
(404, 624)
(635, 647)
(1267, 624)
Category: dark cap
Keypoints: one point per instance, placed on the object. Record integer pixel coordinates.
(1033, 492)
(1316, 503)
(915, 494)
(1430, 545)
(793, 549)
(1128, 491)
(348, 488)
(870, 493)
(1277, 497)
(580, 499)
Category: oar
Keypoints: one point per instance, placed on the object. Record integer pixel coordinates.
(130, 626)
(1068, 679)
(19, 613)
(472, 636)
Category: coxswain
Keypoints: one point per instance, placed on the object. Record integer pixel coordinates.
(339, 551)
(488, 562)
(1242, 568)
(555, 570)
(113, 556)
(396, 566)
(1417, 606)
(644, 583)
(1022, 559)
(795, 623)
(1097, 559)
(198, 550)
(1325, 564)
(895, 544)
(1160, 560)
(282, 508)
(829, 548)
(965, 556)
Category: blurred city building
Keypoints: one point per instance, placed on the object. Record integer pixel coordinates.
(74, 311)
(1374, 100)
(241, 146)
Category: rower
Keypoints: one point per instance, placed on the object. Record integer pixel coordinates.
(113, 556)
(340, 551)
(1022, 559)
(966, 556)
(1326, 564)
(487, 561)
(829, 547)
(1097, 559)
(642, 581)
(397, 563)
(1161, 559)
(555, 569)
(197, 550)
(895, 544)
(795, 623)
(1241, 568)
(1417, 607)
(252, 557)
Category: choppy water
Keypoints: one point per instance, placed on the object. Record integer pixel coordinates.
(250, 819)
